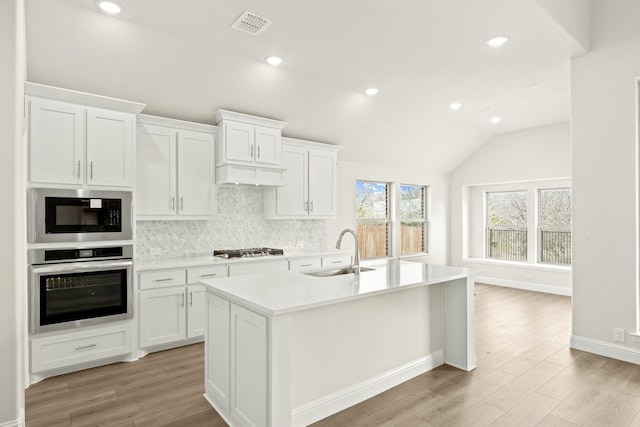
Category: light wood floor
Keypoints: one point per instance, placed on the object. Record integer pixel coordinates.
(526, 376)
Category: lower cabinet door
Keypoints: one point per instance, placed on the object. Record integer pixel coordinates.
(248, 367)
(162, 314)
(196, 311)
(217, 367)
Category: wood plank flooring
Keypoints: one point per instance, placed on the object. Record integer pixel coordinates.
(526, 376)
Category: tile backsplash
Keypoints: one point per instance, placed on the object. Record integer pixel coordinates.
(238, 224)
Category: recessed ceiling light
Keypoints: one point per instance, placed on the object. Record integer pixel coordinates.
(274, 60)
(110, 7)
(371, 91)
(497, 41)
(495, 119)
(455, 106)
(533, 86)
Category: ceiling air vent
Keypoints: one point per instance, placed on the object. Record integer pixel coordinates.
(251, 23)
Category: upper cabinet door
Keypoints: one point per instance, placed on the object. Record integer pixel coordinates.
(196, 173)
(156, 170)
(268, 146)
(322, 183)
(56, 141)
(239, 142)
(109, 148)
(291, 199)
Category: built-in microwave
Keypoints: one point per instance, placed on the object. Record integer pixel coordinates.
(58, 215)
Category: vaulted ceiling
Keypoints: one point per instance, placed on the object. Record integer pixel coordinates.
(183, 59)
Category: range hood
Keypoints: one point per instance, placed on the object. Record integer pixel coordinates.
(249, 150)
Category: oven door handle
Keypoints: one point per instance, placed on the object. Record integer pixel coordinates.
(82, 266)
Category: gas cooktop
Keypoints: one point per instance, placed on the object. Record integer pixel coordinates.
(247, 253)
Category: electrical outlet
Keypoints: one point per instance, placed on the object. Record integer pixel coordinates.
(299, 244)
(619, 334)
(155, 251)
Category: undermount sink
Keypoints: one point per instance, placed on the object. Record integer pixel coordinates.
(341, 271)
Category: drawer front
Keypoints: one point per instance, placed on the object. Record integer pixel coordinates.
(162, 278)
(336, 260)
(258, 267)
(195, 274)
(305, 264)
(64, 350)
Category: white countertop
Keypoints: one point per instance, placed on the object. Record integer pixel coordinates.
(277, 293)
(200, 261)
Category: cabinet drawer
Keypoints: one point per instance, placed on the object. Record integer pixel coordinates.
(195, 274)
(336, 260)
(64, 350)
(258, 267)
(162, 278)
(305, 264)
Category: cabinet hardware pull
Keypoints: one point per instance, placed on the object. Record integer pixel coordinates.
(84, 347)
(251, 151)
(311, 209)
(336, 262)
(306, 206)
(306, 265)
(258, 152)
(181, 204)
(91, 169)
(191, 299)
(173, 202)
(182, 299)
(78, 169)
(164, 280)
(209, 275)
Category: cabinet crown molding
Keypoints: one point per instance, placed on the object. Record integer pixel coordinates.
(302, 143)
(83, 98)
(246, 118)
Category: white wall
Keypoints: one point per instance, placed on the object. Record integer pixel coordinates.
(350, 172)
(604, 153)
(530, 155)
(12, 76)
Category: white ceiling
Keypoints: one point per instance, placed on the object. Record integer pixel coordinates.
(183, 59)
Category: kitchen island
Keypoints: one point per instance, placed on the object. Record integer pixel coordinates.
(288, 349)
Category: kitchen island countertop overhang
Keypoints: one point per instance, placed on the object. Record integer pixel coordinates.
(278, 293)
(288, 349)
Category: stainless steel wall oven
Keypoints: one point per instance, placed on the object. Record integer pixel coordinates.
(58, 215)
(82, 286)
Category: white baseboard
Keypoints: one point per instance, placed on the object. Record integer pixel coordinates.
(14, 423)
(607, 349)
(336, 402)
(528, 286)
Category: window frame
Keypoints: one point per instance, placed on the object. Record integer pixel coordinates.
(474, 244)
(424, 219)
(539, 226)
(488, 227)
(394, 222)
(387, 220)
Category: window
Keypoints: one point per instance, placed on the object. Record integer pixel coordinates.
(372, 218)
(413, 219)
(554, 226)
(507, 225)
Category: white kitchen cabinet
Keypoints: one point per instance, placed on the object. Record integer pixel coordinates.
(310, 182)
(256, 267)
(175, 169)
(79, 145)
(163, 316)
(341, 260)
(236, 377)
(304, 264)
(249, 149)
(172, 309)
(56, 353)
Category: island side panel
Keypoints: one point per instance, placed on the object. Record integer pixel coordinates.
(340, 351)
(459, 332)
